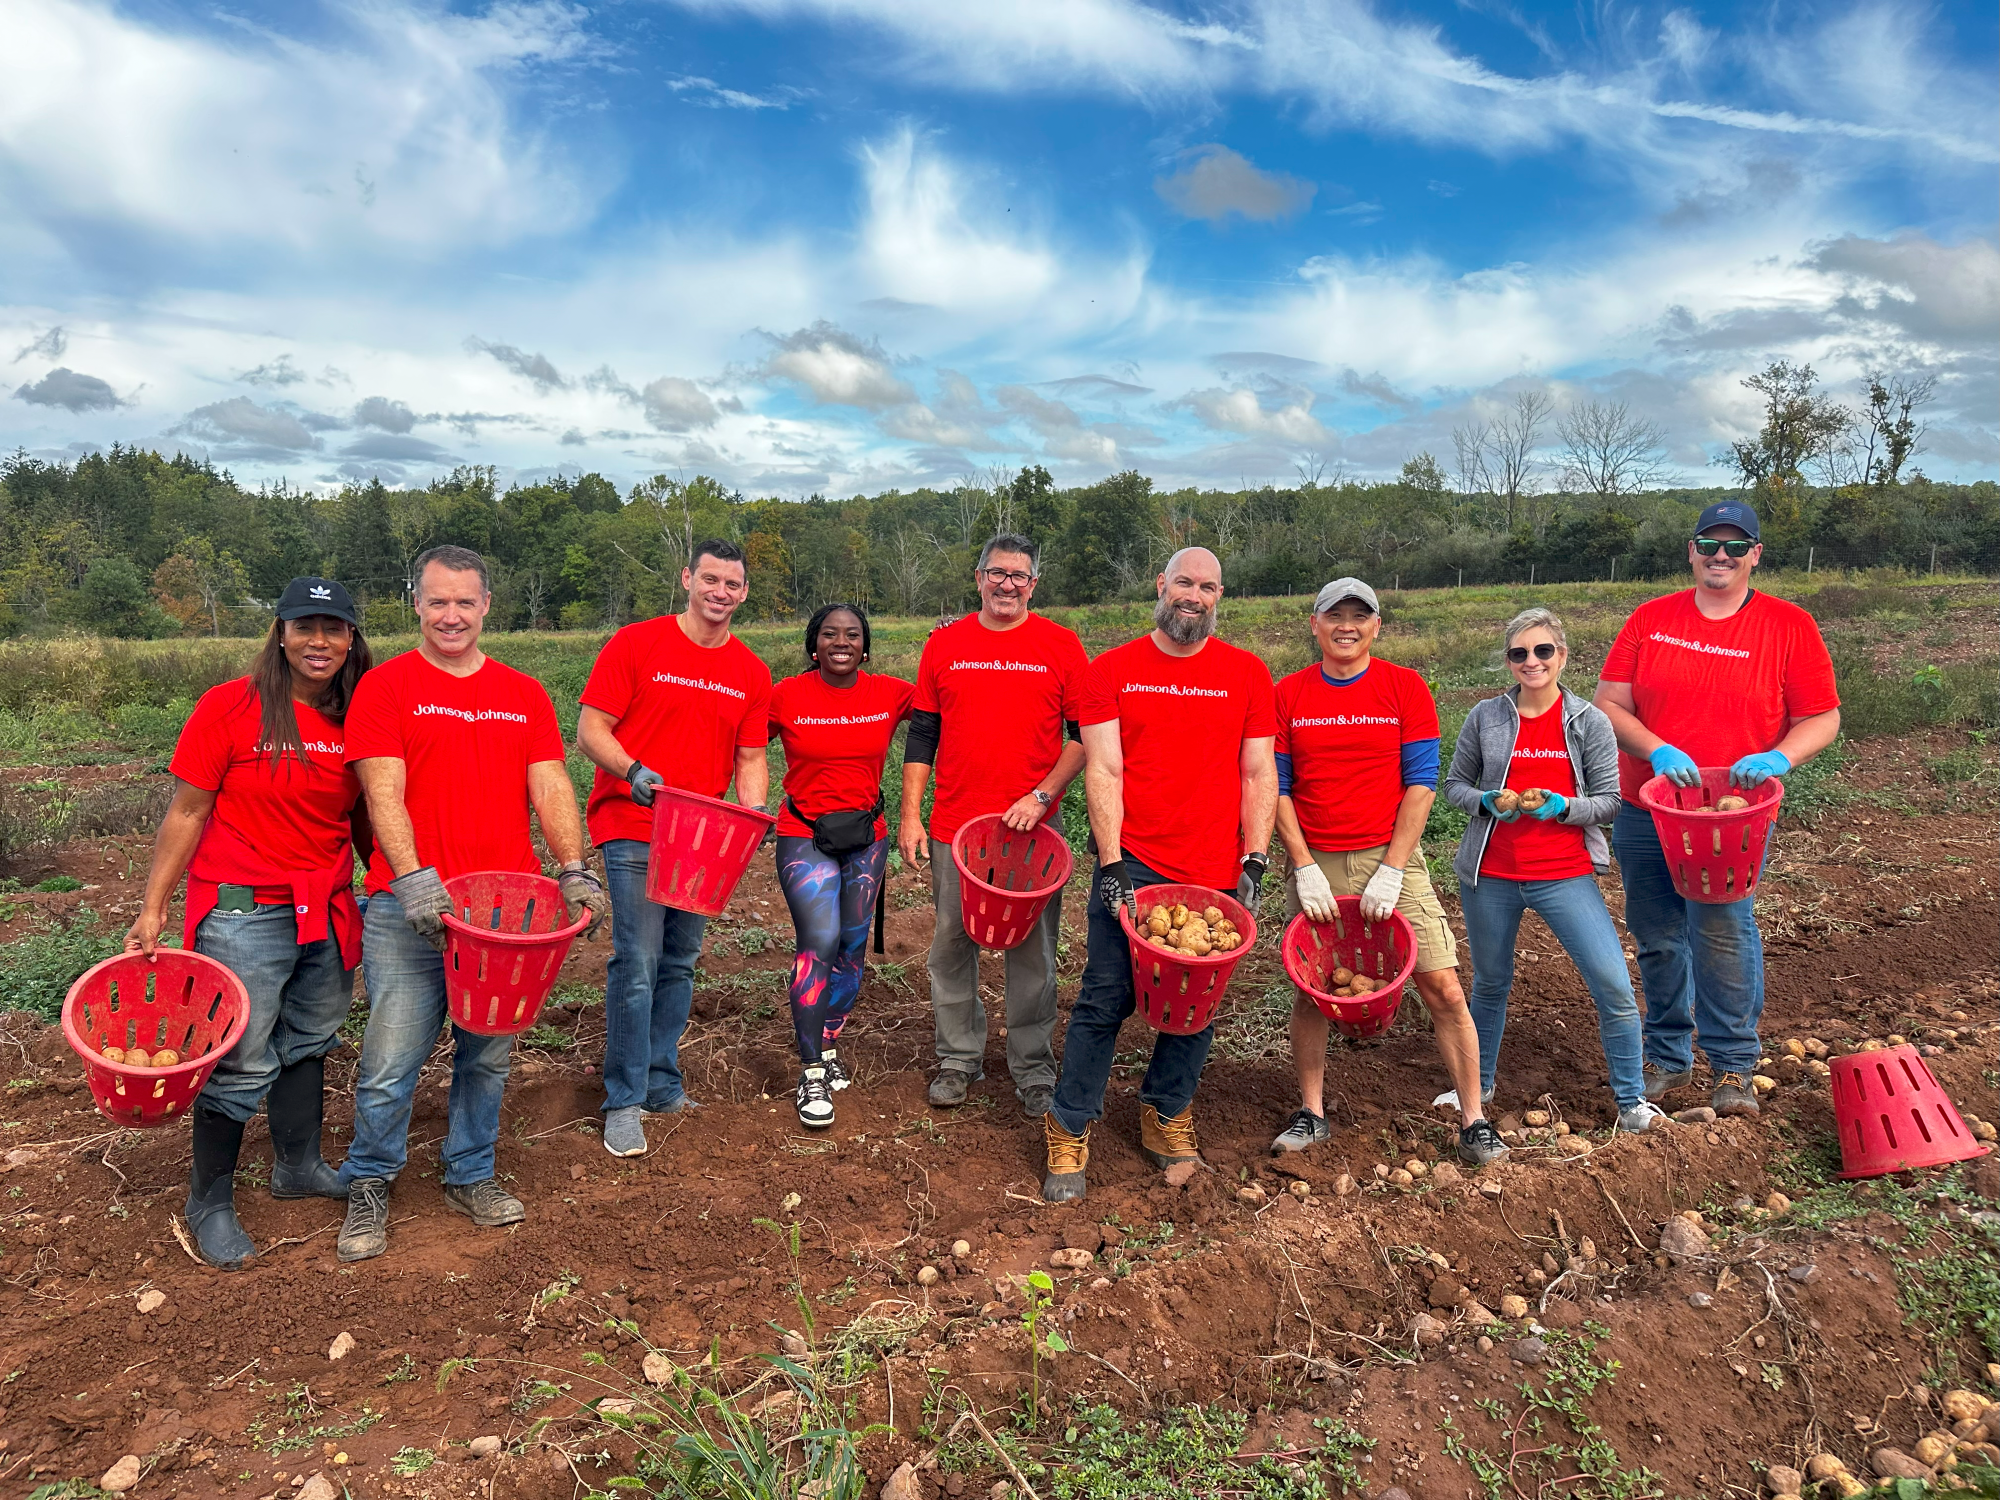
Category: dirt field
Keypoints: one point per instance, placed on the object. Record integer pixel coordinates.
(1348, 1325)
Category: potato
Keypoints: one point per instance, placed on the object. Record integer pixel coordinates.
(1161, 912)
(1157, 924)
(1507, 801)
(166, 1057)
(1180, 916)
(136, 1057)
(1731, 803)
(1342, 974)
(1532, 798)
(114, 1054)
(1228, 940)
(1200, 947)
(1211, 915)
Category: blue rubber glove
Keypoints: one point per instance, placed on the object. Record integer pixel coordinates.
(1676, 766)
(1486, 804)
(1552, 809)
(1755, 770)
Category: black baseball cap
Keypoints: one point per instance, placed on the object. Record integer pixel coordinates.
(316, 596)
(1729, 513)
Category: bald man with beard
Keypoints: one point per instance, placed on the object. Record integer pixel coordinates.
(1178, 732)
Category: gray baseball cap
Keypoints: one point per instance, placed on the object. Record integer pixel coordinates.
(1346, 588)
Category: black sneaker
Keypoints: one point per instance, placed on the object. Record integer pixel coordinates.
(486, 1203)
(1479, 1144)
(1303, 1129)
(837, 1077)
(815, 1098)
(949, 1087)
(364, 1233)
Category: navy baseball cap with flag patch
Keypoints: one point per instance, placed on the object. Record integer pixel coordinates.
(1728, 513)
(316, 596)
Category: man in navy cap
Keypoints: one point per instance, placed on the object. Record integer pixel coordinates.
(1717, 675)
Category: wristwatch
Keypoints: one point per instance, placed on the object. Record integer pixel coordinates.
(1042, 797)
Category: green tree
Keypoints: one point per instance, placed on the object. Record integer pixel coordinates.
(1110, 541)
(114, 601)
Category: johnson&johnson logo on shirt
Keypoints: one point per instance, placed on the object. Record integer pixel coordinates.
(1174, 690)
(471, 716)
(998, 666)
(312, 747)
(1345, 719)
(1702, 646)
(843, 719)
(1540, 754)
(700, 682)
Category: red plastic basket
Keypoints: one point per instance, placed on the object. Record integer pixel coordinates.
(1893, 1115)
(1714, 857)
(1386, 952)
(1175, 992)
(701, 847)
(504, 944)
(1007, 878)
(178, 999)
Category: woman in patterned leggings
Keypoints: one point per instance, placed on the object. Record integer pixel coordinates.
(836, 722)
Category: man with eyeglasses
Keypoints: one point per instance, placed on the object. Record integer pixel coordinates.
(995, 692)
(1717, 675)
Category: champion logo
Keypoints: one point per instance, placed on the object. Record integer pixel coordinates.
(320, 591)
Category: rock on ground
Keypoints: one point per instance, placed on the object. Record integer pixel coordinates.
(1681, 1240)
(121, 1476)
(903, 1484)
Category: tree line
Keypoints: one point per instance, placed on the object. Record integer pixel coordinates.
(134, 543)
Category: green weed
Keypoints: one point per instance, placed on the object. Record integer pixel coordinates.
(41, 966)
(409, 1461)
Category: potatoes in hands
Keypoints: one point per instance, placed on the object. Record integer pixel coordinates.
(1506, 801)
(1531, 799)
(1192, 934)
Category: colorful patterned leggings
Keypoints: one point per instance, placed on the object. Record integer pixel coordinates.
(832, 902)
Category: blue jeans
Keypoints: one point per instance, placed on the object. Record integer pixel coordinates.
(648, 986)
(1575, 912)
(1102, 1005)
(299, 995)
(1702, 965)
(406, 1014)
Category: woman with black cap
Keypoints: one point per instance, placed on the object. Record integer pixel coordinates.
(264, 823)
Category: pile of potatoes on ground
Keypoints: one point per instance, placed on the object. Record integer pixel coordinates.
(1193, 934)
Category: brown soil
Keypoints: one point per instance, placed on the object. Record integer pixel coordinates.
(1295, 1308)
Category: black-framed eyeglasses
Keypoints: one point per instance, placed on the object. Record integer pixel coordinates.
(1545, 651)
(1708, 546)
(999, 576)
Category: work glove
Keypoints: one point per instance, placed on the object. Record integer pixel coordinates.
(1551, 809)
(425, 901)
(1251, 882)
(644, 782)
(582, 891)
(1755, 770)
(1315, 895)
(1676, 765)
(1379, 896)
(1114, 888)
(1486, 803)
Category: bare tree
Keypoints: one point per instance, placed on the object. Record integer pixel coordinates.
(1889, 433)
(1608, 452)
(1311, 466)
(535, 594)
(1510, 447)
(1469, 447)
(911, 557)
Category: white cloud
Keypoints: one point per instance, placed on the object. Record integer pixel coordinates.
(69, 389)
(241, 424)
(706, 91)
(1947, 295)
(1215, 182)
(674, 404)
(837, 368)
(1237, 409)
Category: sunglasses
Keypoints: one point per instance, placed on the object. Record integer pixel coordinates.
(1708, 546)
(1546, 651)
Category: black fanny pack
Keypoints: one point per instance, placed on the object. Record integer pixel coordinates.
(842, 831)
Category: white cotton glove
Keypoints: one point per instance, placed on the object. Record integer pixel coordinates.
(1315, 895)
(1379, 896)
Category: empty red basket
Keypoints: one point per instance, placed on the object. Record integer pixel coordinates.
(1007, 878)
(701, 847)
(178, 999)
(505, 940)
(1176, 992)
(1714, 857)
(1384, 952)
(1893, 1115)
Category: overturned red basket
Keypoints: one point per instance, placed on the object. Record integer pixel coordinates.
(178, 1000)
(1177, 992)
(1714, 857)
(1383, 953)
(505, 939)
(701, 846)
(1893, 1115)
(1007, 878)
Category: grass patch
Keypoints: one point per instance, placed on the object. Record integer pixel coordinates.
(1910, 697)
(41, 966)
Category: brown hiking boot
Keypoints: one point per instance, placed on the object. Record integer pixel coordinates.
(1068, 1155)
(1163, 1141)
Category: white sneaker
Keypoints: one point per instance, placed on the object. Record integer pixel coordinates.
(815, 1099)
(1641, 1117)
(836, 1070)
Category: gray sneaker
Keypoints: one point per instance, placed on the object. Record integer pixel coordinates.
(364, 1233)
(1734, 1096)
(1036, 1099)
(625, 1131)
(1303, 1129)
(948, 1088)
(1479, 1144)
(1660, 1083)
(487, 1204)
(1641, 1117)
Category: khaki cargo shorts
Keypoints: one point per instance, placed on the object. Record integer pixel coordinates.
(1348, 872)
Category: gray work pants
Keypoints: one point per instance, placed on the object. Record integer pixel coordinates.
(1031, 988)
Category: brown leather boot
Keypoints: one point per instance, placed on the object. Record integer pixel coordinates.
(1165, 1141)
(1068, 1155)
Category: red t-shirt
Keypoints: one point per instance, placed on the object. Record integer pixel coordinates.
(835, 742)
(683, 709)
(293, 815)
(1002, 696)
(1346, 744)
(1182, 721)
(467, 743)
(1528, 848)
(1718, 689)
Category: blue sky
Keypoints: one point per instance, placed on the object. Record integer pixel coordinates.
(849, 245)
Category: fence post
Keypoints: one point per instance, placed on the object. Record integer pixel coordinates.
(1809, 558)
(1614, 570)
(1461, 579)
(1531, 575)
(1933, 559)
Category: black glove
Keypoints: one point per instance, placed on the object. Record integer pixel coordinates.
(582, 891)
(1251, 882)
(1114, 888)
(644, 782)
(425, 901)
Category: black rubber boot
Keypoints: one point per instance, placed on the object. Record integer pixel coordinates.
(211, 1207)
(294, 1105)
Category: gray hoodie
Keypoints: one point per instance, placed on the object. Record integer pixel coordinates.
(1486, 748)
